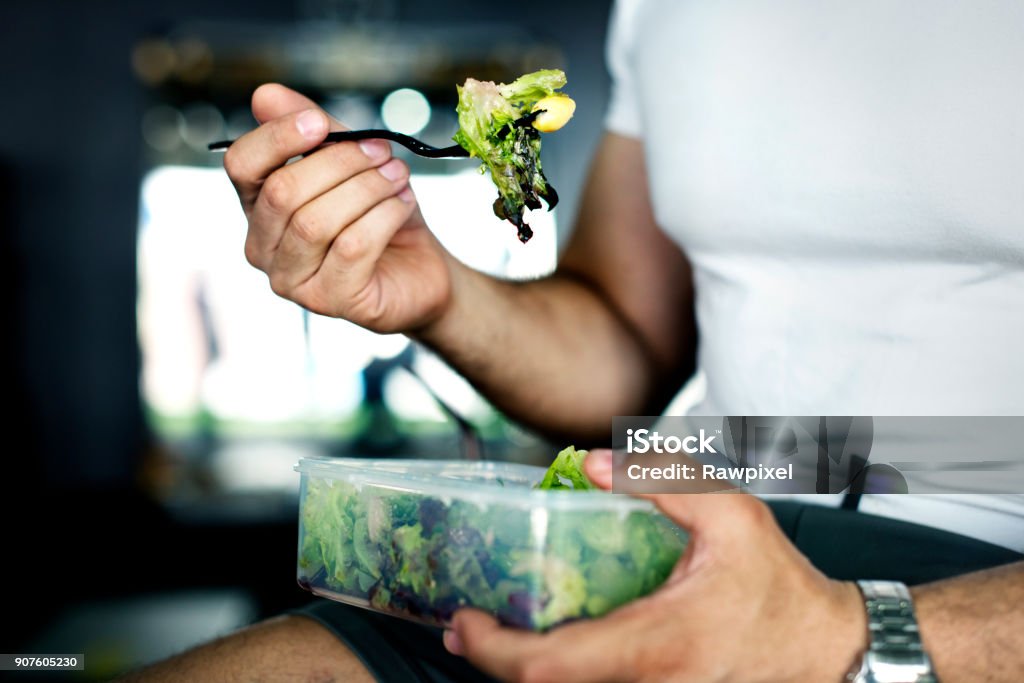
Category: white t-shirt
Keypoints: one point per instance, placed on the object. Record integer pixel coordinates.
(847, 179)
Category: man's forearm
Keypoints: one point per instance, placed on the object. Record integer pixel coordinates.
(973, 626)
(550, 352)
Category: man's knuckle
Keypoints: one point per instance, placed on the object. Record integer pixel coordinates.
(375, 318)
(279, 191)
(755, 512)
(350, 246)
(252, 254)
(234, 164)
(280, 139)
(369, 306)
(314, 302)
(280, 284)
(306, 226)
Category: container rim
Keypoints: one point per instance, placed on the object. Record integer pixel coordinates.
(440, 479)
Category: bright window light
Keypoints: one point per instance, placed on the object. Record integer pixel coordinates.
(405, 111)
(217, 342)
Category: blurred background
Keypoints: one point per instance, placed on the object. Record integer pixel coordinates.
(158, 394)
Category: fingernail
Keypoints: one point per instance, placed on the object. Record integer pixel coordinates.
(374, 149)
(311, 124)
(393, 170)
(452, 642)
(406, 195)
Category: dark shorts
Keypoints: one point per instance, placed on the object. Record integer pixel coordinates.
(843, 544)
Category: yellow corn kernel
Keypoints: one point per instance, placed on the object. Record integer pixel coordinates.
(558, 109)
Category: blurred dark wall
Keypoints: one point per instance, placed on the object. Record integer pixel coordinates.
(70, 152)
(70, 147)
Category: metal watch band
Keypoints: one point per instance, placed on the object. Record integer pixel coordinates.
(895, 653)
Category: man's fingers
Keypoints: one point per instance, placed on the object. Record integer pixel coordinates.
(582, 652)
(257, 153)
(304, 180)
(315, 226)
(297, 185)
(598, 467)
(353, 256)
(499, 651)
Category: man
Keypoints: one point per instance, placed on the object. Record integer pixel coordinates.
(829, 193)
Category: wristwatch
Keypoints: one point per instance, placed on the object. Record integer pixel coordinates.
(895, 654)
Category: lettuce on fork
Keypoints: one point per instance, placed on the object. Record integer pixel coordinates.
(500, 124)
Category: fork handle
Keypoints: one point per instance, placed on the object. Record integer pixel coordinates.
(414, 145)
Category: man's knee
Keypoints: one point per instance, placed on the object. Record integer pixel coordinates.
(291, 648)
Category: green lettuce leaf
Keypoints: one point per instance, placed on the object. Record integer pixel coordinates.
(528, 89)
(566, 472)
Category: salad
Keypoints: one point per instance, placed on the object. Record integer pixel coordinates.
(423, 557)
(500, 124)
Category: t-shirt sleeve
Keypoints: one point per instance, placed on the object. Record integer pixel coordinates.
(623, 115)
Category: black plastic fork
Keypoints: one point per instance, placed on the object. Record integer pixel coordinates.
(412, 144)
(415, 146)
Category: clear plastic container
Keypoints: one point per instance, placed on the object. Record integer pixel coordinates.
(421, 538)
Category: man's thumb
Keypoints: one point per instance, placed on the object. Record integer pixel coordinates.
(598, 467)
(273, 100)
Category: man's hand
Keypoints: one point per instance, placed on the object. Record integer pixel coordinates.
(338, 232)
(743, 605)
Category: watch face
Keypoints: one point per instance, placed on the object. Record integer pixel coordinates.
(894, 667)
